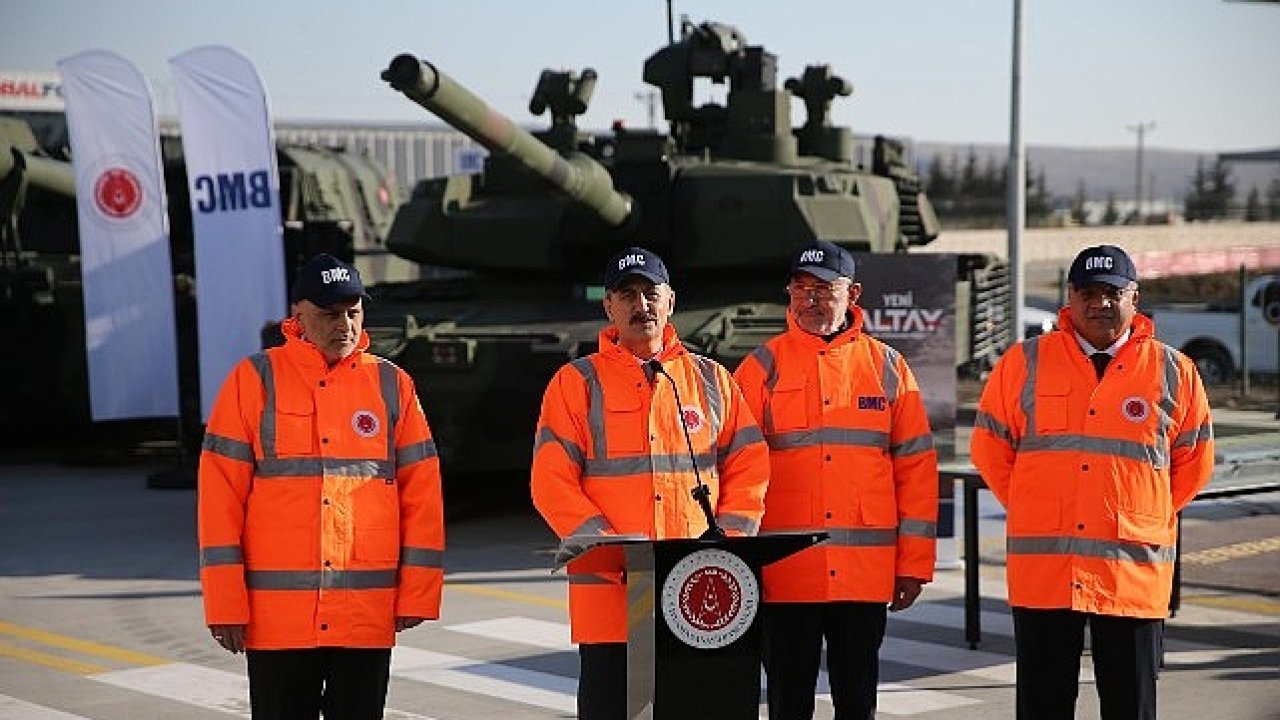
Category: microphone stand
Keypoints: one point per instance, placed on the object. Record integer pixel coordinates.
(701, 492)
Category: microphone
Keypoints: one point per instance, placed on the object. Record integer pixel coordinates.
(701, 493)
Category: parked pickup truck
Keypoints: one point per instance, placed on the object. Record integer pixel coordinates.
(1210, 335)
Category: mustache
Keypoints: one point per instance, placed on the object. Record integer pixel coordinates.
(640, 318)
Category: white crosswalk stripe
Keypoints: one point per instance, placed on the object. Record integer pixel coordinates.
(201, 687)
(12, 708)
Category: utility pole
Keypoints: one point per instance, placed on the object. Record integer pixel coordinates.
(1141, 129)
(1016, 192)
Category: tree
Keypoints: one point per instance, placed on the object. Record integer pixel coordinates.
(1253, 209)
(1273, 199)
(1078, 213)
(1212, 192)
(1110, 215)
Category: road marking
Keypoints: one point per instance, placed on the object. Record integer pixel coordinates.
(526, 631)
(526, 598)
(54, 661)
(85, 647)
(14, 709)
(530, 687)
(202, 687)
(1212, 556)
(1242, 604)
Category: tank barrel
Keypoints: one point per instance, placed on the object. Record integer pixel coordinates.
(52, 175)
(582, 178)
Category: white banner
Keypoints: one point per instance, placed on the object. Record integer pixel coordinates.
(30, 90)
(235, 207)
(124, 238)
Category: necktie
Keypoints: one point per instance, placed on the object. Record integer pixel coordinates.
(1100, 360)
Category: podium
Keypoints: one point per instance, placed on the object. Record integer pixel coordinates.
(694, 624)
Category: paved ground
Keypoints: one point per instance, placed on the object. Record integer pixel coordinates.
(100, 615)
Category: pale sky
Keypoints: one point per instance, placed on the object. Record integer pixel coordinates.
(1204, 71)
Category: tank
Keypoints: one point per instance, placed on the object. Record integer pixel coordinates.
(725, 197)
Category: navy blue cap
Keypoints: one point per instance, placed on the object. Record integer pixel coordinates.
(635, 261)
(325, 280)
(824, 260)
(1102, 264)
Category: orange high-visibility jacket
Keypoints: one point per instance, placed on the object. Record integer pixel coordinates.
(320, 515)
(852, 455)
(1093, 473)
(610, 458)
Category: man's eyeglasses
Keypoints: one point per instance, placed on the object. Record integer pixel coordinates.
(823, 293)
(1096, 293)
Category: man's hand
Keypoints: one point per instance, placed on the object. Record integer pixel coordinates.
(230, 637)
(404, 623)
(905, 592)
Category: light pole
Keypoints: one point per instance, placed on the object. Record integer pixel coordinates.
(1141, 129)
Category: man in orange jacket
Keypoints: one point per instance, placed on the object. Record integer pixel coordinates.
(1093, 436)
(612, 456)
(320, 520)
(851, 455)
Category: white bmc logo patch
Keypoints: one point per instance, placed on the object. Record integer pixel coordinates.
(335, 275)
(710, 599)
(1098, 263)
(631, 260)
(809, 257)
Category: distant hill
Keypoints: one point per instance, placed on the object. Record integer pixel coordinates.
(1107, 170)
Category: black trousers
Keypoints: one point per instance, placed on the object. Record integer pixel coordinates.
(342, 683)
(602, 681)
(793, 635)
(1125, 657)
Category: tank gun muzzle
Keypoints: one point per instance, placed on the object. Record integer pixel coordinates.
(579, 176)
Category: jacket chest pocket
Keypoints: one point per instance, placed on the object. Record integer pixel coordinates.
(1053, 406)
(789, 405)
(295, 420)
(624, 424)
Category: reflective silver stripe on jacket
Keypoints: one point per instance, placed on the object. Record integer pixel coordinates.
(991, 424)
(764, 356)
(595, 406)
(1089, 547)
(638, 464)
(912, 446)
(547, 435)
(829, 436)
(862, 537)
(317, 579)
(587, 579)
(739, 523)
(228, 448)
(918, 528)
(417, 452)
(890, 378)
(742, 438)
(221, 555)
(333, 467)
(267, 425)
(421, 557)
(712, 398)
(390, 388)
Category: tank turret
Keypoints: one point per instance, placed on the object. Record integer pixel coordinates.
(732, 189)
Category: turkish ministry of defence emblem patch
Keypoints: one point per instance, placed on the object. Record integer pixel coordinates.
(1135, 409)
(710, 599)
(365, 423)
(691, 416)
